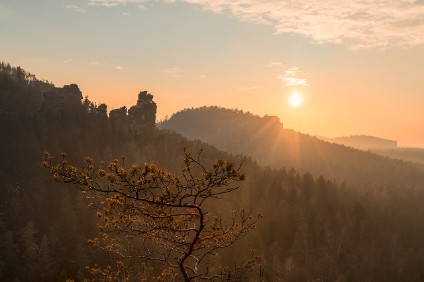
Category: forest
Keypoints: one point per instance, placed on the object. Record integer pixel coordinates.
(329, 212)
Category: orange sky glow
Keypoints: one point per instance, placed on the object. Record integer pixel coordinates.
(358, 67)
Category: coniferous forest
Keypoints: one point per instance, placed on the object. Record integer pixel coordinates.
(329, 212)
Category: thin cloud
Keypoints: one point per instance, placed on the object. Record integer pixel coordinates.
(293, 77)
(93, 63)
(74, 8)
(294, 81)
(174, 71)
(358, 24)
(273, 64)
(113, 3)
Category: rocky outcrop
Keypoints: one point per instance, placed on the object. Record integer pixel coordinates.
(67, 98)
(144, 112)
(41, 85)
(118, 115)
(102, 111)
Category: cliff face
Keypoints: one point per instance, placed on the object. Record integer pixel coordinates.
(67, 98)
(22, 93)
(140, 116)
(144, 112)
(118, 115)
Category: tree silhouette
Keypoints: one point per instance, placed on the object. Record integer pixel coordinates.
(148, 213)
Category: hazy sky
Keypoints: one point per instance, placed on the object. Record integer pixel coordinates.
(358, 65)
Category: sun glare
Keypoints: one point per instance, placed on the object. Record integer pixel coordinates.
(295, 100)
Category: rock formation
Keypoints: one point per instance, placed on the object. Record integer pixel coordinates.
(68, 100)
(118, 115)
(144, 112)
(101, 111)
(62, 99)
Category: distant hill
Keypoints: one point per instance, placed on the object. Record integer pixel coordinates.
(266, 141)
(364, 142)
(380, 146)
(415, 155)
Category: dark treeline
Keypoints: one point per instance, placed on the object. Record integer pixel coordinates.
(44, 227)
(313, 228)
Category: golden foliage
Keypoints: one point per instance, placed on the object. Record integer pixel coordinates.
(109, 274)
(149, 213)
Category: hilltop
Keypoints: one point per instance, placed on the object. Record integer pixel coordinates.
(380, 146)
(364, 142)
(267, 141)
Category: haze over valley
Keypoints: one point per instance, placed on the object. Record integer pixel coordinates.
(197, 140)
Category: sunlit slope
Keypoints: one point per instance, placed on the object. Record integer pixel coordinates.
(267, 141)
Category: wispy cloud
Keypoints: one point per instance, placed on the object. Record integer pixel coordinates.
(113, 3)
(74, 8)
(274, 63)
(174, 71)
(93, 63)
(359, 23)
(356, 23)
(293, 77)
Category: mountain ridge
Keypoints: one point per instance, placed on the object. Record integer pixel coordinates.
(363, 142)
(271, 144)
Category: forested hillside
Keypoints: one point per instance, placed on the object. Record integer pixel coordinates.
(267, 141)
(313, 227)
(415, 155)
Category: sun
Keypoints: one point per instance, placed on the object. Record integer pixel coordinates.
(295, 100)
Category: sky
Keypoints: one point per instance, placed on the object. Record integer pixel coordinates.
(357, 66)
